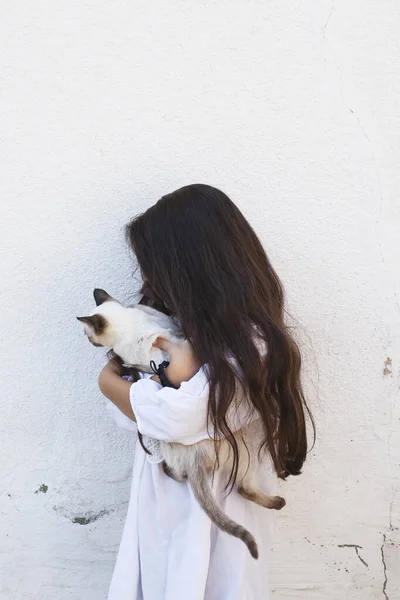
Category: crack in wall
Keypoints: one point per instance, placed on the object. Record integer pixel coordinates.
(383, 546)
(361, 127)
(329, 18)
(90, 517)
(351, 110)
(396, 300)
(13, 503)
(361, 559)
(385, 580)
(356, 548)
(82, 519)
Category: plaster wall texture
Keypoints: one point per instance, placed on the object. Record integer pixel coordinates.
(292, 109)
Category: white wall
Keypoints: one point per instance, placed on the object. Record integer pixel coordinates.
(292, 109)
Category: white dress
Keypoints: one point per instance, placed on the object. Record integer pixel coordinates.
(170, 550)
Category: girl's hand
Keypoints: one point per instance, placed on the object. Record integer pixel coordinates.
(183, 361)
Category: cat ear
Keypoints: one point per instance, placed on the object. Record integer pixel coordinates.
(101, 296)
(96, 322)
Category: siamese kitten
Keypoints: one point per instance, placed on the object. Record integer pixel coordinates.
(130, 333)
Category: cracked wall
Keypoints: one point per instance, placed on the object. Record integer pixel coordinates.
(292, 109)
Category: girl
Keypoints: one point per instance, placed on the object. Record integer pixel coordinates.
(202, 263)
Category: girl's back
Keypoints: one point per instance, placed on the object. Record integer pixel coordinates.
(201, 262)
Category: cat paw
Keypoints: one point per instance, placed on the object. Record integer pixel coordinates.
(279, 502)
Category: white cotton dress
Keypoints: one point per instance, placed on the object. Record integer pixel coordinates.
(170, 550)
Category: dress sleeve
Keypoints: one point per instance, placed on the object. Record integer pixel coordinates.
(169, 414)
(179, 415)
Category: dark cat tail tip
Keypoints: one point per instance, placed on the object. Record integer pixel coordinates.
(253, 548)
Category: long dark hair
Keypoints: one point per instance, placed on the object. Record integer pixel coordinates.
(201, 261)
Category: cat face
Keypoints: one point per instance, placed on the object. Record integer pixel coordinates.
(102, 325)
(130, 331)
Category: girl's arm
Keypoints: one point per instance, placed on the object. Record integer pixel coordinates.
(116, 389)
(183, 365)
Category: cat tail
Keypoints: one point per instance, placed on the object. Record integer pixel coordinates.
(204, 496)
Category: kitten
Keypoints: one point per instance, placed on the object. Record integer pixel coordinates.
(130, 333)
